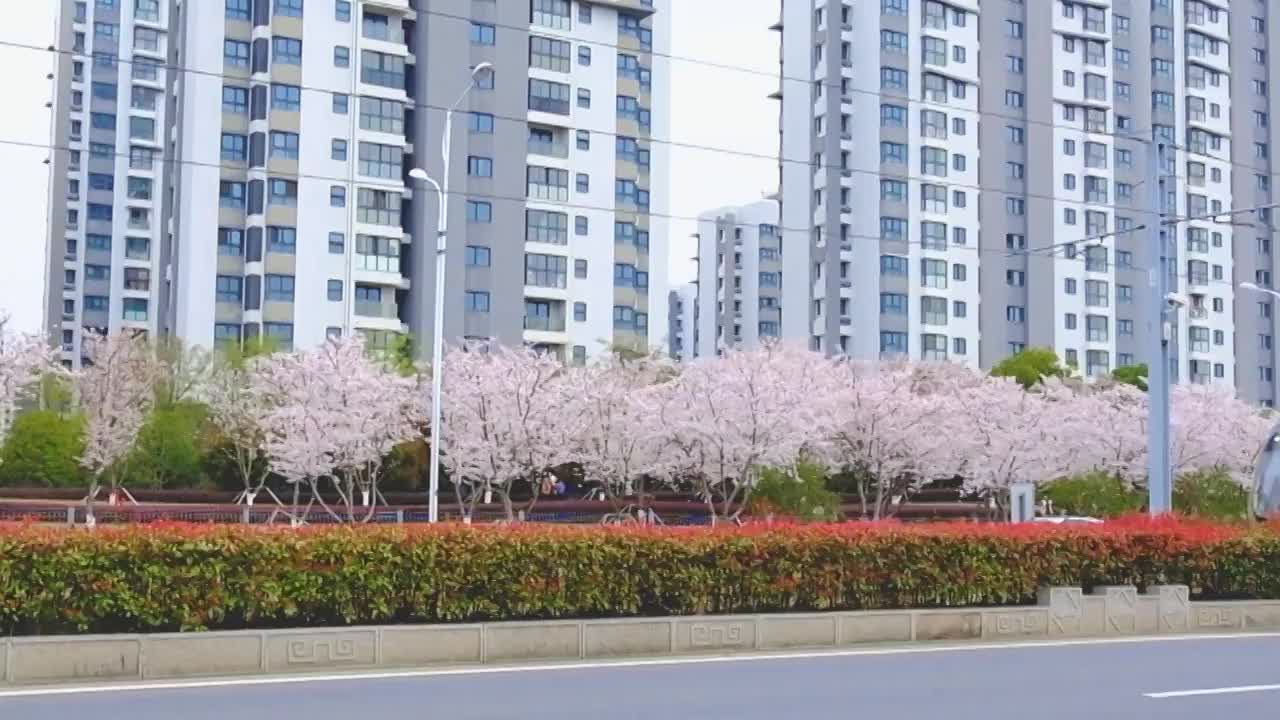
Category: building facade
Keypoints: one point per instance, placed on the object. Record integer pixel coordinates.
(970, 179)
(240, 168)
(739, 281)
(682, 322)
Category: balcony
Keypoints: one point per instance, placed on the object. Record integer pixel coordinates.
(372, 309)
(544, 324)
(549, 149)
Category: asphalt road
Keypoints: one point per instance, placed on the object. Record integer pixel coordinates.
(1046, 683)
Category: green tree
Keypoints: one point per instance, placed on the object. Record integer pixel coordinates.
(41, 451)
(1030, 366)
(169, 451)
(1211, 495)
(1135, 375)
(804, 496)
(1095, 494)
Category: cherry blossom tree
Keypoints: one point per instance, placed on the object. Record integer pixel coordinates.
(1020, 436)
(115, 390)
(24, 361)
(1213, 430)
(505, 420)
(622, 441)
(238, 412)
(332, 415)
(731, 415)
(893, 426)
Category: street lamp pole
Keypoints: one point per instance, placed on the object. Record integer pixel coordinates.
(437, 329)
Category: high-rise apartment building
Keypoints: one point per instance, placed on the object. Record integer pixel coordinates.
(682, 322)
(962, 180)
(739, 281)
(239, 168)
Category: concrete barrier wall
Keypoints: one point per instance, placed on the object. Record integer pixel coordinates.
(1061, 613)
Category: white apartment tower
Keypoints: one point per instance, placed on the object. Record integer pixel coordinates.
(969, 178)
(739, 282)
(237, 168)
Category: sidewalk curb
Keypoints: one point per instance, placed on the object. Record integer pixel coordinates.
(1062, 613)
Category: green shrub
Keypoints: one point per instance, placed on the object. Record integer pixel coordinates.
(1210, 495)
(1094, 495)
(803, 497)
(168, 452)
(42, 450)
(159, 578)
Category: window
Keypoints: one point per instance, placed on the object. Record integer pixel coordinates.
(545, 183)
(893, 265)
(282, 192)
(342, 10)
(230, 242)
(893, 343)
(891, 152)
(583, 183)
(1096, 293)
(893, 78)
(341, 103)
(229, 289)
(289, 8)
(337, 243)
(893, 304)
(933, 347)
(286, 97)
(553, 97)
(550, 54)
(385, 161)
(892, 228)
(237, 9)
(933, 310)
(378, 207)
(135, 309)
(284, 145)
(544, 226)
(286, 50)
(1015, 278)
(235, 100)
(341, 56)
(234, 53)
(479, 123)
(479, 166)
(483, 34)
(230, 195)
(382, 69)
(549, 271)
(386, 116)
(479, 212)
(933, 273)
(584, 98)
(893, 116)
(337, 196)
(279, 288)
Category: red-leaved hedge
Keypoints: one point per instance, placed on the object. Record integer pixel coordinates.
(172, 577)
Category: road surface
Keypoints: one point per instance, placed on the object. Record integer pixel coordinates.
(1192, 679)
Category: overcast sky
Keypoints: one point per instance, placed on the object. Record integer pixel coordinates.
(711, 107)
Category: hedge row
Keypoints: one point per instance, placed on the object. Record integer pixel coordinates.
(164, 578)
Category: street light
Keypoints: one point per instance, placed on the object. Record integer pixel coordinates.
(1258, 288)
(437, 329)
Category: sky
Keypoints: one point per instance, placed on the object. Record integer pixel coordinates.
(715, 107)
(24, 179)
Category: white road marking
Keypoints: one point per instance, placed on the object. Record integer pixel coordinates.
(606, 664)
(1213, 691)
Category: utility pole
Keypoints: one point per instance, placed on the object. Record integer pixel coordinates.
(1159, 329)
